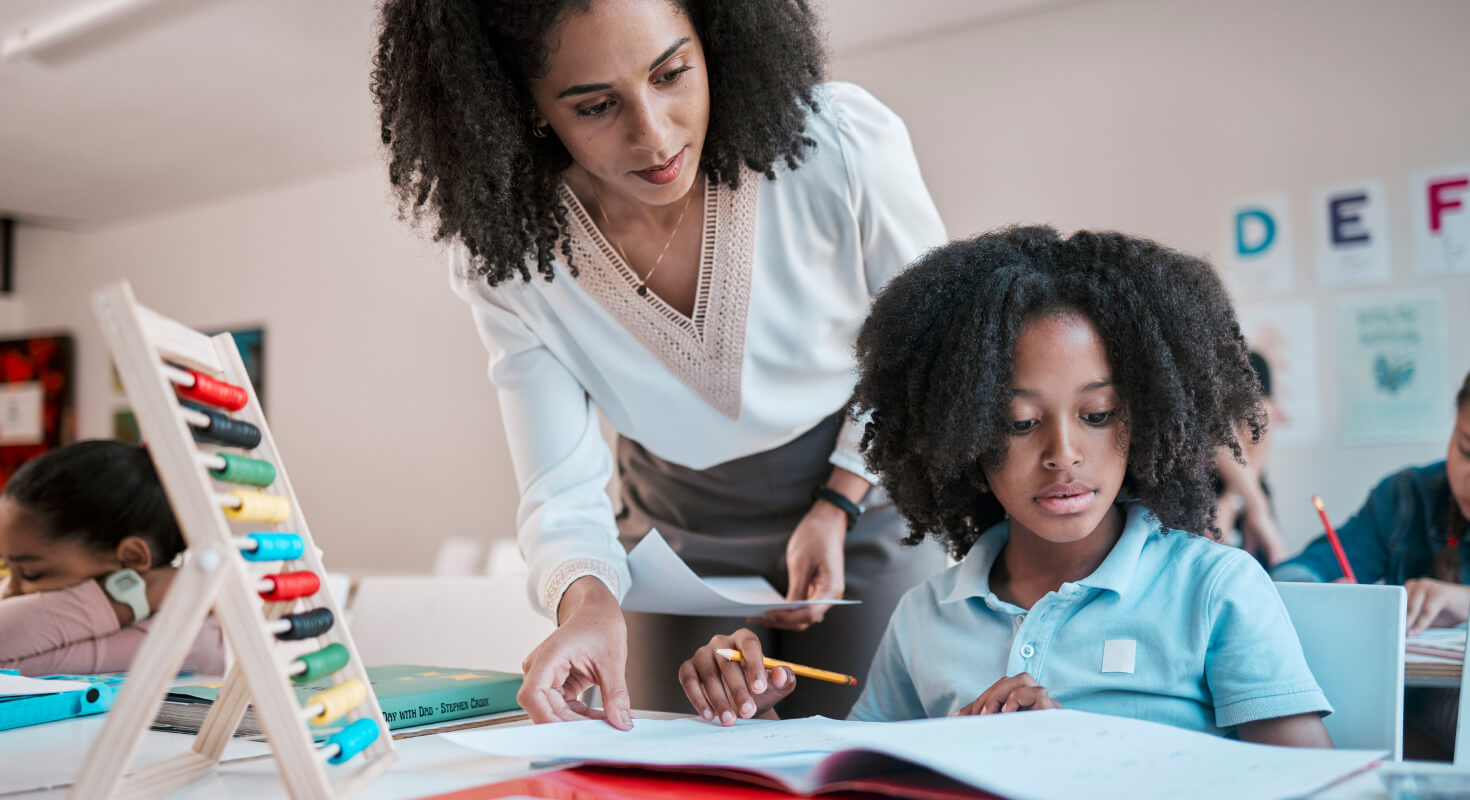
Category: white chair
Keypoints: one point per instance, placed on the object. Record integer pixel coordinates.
(457, 557)
(1353, 638)
(475, 622)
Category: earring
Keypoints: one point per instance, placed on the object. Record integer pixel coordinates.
(984, 488)
(539, 131)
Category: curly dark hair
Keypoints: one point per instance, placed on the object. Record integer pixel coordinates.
(97, 492)
(935, 361)
(451, 80)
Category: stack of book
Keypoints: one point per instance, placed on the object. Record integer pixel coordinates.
(410, 696)
(1435, 653)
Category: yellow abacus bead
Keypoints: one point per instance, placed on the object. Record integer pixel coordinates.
(258, 507)
(338, 700)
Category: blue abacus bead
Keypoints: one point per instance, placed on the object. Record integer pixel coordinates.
(352, 739)
(274, 547)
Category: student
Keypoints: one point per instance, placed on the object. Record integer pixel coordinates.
(1048, 408)
(88, 536)
(1243, 501)
(1410, 532)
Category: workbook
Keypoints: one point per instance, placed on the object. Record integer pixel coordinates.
(1032, 755)
(410, 695)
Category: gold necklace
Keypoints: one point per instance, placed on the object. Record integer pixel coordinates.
(642, 282)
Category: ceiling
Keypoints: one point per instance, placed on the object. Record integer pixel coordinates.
(201, 99)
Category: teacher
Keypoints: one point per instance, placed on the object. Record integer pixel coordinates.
(656, 210)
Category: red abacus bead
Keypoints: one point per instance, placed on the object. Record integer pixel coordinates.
(215, 393)
(291, 585)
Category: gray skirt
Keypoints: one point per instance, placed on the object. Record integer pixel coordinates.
(734, 519)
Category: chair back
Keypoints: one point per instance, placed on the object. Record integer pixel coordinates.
(1353, 638)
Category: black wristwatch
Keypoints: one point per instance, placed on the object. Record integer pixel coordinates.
(836, 498)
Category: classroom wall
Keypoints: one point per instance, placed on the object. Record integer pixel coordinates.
(375, 382)
(1157, 116)
(1152, 116)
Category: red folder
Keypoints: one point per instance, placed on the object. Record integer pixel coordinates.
(616, 783)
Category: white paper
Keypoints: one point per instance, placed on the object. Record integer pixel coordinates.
(1286, 335)
(1028, 755)
(22, 407)
(21, 686)
(1260, 260)
(1352, 234)
(1439, 202)
(664, 584)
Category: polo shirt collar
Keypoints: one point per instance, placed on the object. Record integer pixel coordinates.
(1115, 574)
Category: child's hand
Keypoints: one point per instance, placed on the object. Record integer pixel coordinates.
(1435, 603)
(1016, 693)
(719, 687)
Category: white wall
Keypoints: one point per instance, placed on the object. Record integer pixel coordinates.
(1155, 116)
(375, 381)
(1150, 116)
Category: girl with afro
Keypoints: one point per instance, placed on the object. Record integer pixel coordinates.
(1048, 408)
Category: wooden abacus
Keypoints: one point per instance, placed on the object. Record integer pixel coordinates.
(159, 362)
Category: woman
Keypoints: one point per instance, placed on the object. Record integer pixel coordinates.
(706, 225)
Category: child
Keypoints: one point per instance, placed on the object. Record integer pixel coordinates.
(1411, 531)
(88, 536)
(1048, 408)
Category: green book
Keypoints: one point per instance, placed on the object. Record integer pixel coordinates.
(410, 695)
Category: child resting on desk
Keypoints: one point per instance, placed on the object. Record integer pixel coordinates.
(1048, 409)
(1411, 532)
(88, 536)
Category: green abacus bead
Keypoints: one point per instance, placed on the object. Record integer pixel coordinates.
(249, 471)
(325, 661)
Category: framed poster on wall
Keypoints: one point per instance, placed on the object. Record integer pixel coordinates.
(36, 398)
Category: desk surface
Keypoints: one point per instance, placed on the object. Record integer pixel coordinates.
(47, 755)
(39, 762)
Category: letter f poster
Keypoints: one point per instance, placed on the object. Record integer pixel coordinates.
(1392, 361)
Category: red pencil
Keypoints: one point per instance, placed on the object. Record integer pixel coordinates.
(1342, 559)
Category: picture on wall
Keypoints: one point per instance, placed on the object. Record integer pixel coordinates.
(1393, 353)
(36, 399)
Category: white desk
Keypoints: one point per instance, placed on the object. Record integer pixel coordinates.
(48, 755)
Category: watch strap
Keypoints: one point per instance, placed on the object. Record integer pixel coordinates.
(836, 498)
(126, 586)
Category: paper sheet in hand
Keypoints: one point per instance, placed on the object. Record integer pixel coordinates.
(664, 584)
(1033, 755)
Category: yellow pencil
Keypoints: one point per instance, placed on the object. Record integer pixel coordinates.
(805, 672)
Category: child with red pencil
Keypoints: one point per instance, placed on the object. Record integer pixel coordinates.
(1411, 532)
(1045, 406)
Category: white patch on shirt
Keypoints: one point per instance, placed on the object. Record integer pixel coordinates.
(1118, 655)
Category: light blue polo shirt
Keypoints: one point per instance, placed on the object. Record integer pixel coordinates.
(1171, 628)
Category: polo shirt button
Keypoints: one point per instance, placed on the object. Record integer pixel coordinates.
(1020, 618)
(1027, 651)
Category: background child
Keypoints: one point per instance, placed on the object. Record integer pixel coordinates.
(72, 522)
(1049, 408)
(1411, 532)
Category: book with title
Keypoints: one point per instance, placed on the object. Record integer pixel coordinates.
(409, 694)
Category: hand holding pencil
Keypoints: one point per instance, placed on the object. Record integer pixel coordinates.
(741, 685)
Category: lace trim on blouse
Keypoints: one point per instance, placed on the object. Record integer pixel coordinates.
(705, 350)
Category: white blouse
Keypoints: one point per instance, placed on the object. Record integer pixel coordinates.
(787, 272)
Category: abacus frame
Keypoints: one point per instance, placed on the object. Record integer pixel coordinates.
(213, 576)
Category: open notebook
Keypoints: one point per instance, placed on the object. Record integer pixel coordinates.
(1059, 754)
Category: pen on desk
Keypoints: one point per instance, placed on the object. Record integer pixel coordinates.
(1342, 559)
(805, 672)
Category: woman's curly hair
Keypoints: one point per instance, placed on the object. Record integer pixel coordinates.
(935, 362)
(451, 80)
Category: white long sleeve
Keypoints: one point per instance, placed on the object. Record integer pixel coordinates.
(826, 237)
